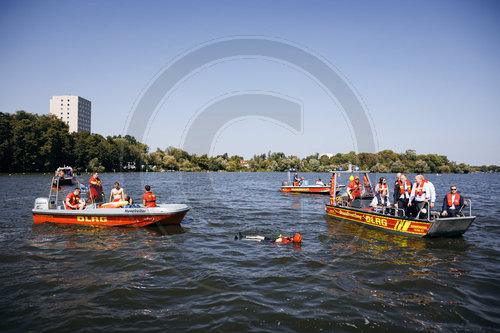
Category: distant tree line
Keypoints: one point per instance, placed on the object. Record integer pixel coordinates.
(32, 143)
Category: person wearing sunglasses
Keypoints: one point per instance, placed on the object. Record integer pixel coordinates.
(452, 203)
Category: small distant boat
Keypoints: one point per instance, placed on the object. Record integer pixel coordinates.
(64, 176)
(52, 210)
(392, 219)
(289, 187)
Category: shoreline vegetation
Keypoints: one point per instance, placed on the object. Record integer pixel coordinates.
(32, 143)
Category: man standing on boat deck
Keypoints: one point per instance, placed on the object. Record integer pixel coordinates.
(452, 203)
(296, 179)
(402, 191)
(432, 188)
(149, 198)
(354, 192)
(96, 192)
(420, 196)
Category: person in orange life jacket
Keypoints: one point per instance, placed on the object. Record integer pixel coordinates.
(381, 199)
(72, 200)
(382, 184)
(452, 203)
(420, 196)
(402, 191)
(117, 193)
(96, 188)
(149, 198)
(296, 180)
(354, 192)
(432, 188)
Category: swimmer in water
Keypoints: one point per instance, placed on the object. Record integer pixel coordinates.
(297, 238)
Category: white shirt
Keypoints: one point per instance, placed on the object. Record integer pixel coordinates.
(405, 194)
(319, 182)
(433, 191)
(426, 192)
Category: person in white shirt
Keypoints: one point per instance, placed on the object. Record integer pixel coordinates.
(432, 188)
(420, 196)
(320, 183)
(381, 200)
(382, 185)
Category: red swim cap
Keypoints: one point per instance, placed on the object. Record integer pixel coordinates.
(297, 238)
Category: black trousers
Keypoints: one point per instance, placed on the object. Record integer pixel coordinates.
(403, 203)
(416, 208)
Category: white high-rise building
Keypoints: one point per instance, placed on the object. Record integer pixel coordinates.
(73, 110)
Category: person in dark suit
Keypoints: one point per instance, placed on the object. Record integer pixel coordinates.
(452, 203)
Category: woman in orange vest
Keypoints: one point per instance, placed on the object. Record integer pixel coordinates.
(382, 185)
(452, 203)
(149, 198)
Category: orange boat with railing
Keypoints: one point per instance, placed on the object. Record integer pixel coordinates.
(392, 219)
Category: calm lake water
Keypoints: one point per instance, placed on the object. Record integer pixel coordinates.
(196, 277)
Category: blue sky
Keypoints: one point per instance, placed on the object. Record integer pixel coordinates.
(427, 72)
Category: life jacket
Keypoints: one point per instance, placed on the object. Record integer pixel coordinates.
(402, 187)
(98, 181)
(73, 200)
(456, 202)
(150, 198)
(382, 187)
(354, 189)
(419, 189)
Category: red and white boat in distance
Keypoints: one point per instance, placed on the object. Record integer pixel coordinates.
(52, 210)
(290, 187)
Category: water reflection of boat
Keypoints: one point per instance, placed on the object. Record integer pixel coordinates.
(291, 187)
(392, 220)
(51, 209)
(65, 175)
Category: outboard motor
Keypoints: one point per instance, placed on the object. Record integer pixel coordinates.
(41, 203)
(285, 183)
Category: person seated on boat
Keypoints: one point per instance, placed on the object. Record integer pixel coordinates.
(148, 198)
(127, 198)
(320, 183)
(354, 192)
(402, 192)
(420, 197)
(382, 185)
(296, 180)
(381, 200)
(301, 181)
(70, 173)
(96, 193)
(453, 203)
(297, 238)
(72, 201)
(117, 193)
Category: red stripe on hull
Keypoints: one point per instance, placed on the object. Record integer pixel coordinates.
(299, 189)
(402, 226)
(111, 221)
